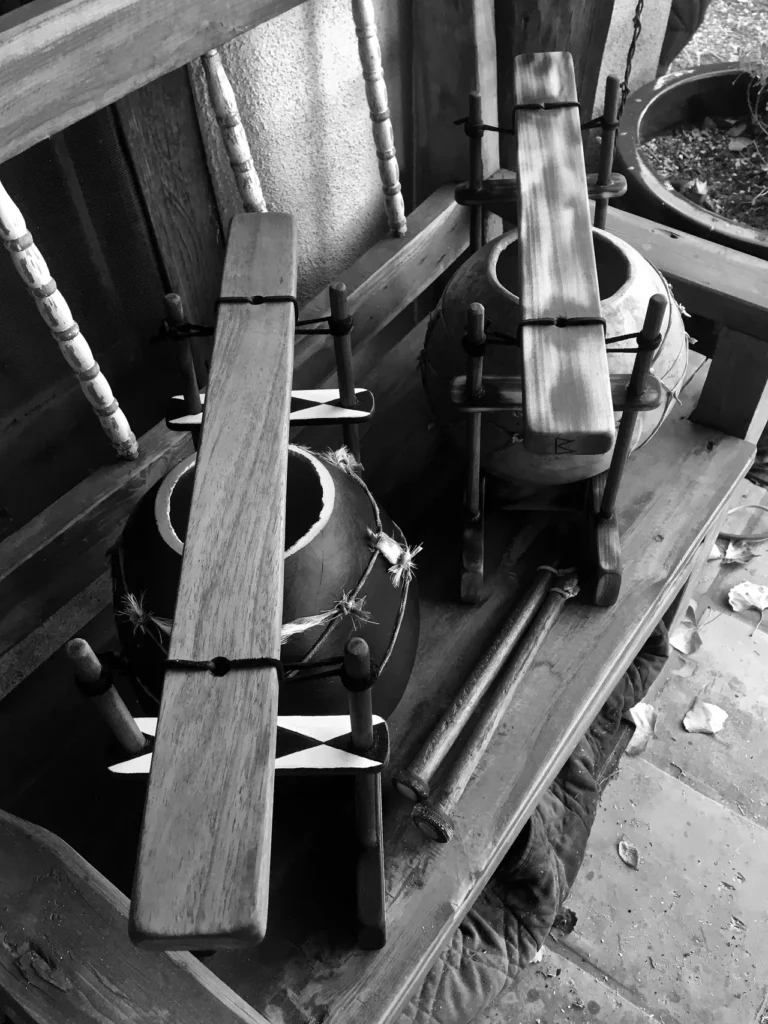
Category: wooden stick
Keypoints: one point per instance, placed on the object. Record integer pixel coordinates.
(233, 134)
(57, 315)
(110, 705)
(342, 344)
(607, 145)
(378, 105)
(647, 344)
(474, 123)
(434, 818)
(414, 781)
(368, 814)
(473, 551)
(174, 312)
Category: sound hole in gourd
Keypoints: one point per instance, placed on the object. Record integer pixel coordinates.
(303, 507)
(613, 268)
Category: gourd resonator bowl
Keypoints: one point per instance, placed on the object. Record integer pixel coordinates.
(329, 513)
(626, 281)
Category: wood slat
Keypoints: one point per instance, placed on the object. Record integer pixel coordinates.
(203, 870)
(565, 370)
(60, 61)
(75, 964)
(709, 279)
(431, 887)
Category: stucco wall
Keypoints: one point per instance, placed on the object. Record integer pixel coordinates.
(301, 95)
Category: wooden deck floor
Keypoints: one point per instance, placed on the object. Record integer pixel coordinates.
(684, 940)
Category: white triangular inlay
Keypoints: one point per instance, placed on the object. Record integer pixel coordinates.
(324, 757)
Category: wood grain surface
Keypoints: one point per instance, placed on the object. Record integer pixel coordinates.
(203, 872)
(66, 957)
(60, 61)
(309, 971)
(565, 369)
(162, 134)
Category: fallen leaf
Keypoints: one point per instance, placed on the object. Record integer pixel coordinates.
(685, 637)
(738, 552)
(738, 129)
(715, 554)
(644, 716)
(706, 718)
(628, 853)
(737, 145)
(746, 597)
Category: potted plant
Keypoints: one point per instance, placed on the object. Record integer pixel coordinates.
(693, 146)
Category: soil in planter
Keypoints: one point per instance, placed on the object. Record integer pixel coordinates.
(721, 166)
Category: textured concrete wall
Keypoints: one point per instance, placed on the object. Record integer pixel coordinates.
(646, 59)
(301, 95)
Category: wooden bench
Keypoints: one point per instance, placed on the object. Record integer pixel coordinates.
(65, 954)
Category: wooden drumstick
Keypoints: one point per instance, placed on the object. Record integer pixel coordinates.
(368, 816)
(414, 781)
(378, 105)
(607, 145)
(343, 347)
(90, 675)
(434, 818)
(34, 272)
(232, 133)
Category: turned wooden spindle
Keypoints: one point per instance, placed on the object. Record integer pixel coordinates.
(90, 675)
(378, 105)
(54, 310)
(232, 133)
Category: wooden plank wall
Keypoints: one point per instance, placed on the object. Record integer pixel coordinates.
(531, 26)
(61, 61)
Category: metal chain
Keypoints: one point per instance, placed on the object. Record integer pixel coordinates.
(637, 29)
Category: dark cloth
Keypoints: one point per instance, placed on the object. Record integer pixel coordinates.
(685, 19)
(513, 916)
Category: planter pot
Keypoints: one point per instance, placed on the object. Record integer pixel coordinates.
(683, 98)
(327, 551)
(626, 280)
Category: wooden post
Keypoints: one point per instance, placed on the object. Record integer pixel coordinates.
(378, 105)
(734, 398)
(233, 134)
(607, 146)
(342, 344)
(370, 866)
(473, 549)
(33, 271)
(174, 312)
(108, 702)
